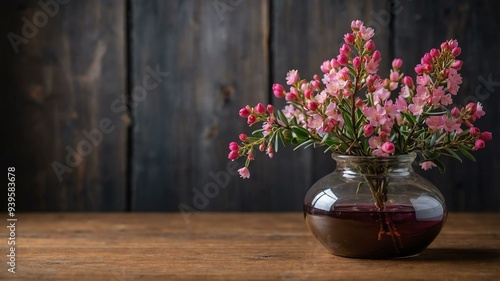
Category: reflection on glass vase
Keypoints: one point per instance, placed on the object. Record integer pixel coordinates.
(374, 207)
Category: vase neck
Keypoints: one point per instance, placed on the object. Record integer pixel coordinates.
(374, 166)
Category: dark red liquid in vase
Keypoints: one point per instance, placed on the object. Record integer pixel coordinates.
(354, 230)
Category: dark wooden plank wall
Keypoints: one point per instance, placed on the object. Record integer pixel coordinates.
(62, 82)
(190, 66)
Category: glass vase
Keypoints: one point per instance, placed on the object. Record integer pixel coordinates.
(374, 207)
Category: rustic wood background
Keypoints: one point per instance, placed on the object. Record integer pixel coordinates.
(83, 60)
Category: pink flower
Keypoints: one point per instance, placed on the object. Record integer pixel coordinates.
(427, 165)
(349, 38)
(435, 123)
(455, 112)
(267, 129)
(292, 77)
(270, 108)
(377, 56)
(233, 146)
(423, 80)
(451, 125)
(366, 32)
(479, 144)
(486, 136)
(376, 115)
(417, 107)
(244, 172)
(278, 90)
(367, 130)
(326, 66)
(426, 59)
(419, 69)
(478, 113)
(356, 24)
(454, 80)
(388, 147)
(474, 131)
(381, 95)
(371, 66)
(233, 155)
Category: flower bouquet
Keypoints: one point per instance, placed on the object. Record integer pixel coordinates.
(351, 110)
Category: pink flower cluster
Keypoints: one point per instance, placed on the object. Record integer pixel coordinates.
(349, 109)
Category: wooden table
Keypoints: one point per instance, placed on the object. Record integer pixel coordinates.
(231, 246)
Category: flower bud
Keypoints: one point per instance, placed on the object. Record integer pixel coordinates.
(479, 144)
(334, 63)
(377, 56)
(262, 147)
(251, 119)
(457, 64)
(426, 59)
(358, 102)
(270, 151)
(244, 112)
(445, 46)
(456, 51)
(250, 156)
(233, 155)
(260, 109)
(356, 62)
(233, 146)
(349, 38)
(435, 53)
(428, 68)
(394, 76)
(312, 105)
(270, 108)
(278, 90)
(342, 59)
(486, 136)
(471, 107)
(316, 84)
(308, 94)
(388, 147)
(290, 97)
(474, 131)
(419, 69)
(408, 81)
(344, 49)
(455, 112)
(367, 130)
(243, 137)
(397, 63)
(369, 45)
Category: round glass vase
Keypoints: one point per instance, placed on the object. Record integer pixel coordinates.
(374, 207)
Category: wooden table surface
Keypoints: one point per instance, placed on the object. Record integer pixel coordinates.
(231, 246)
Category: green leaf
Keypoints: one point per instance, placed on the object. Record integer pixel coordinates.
(435, 113)
(301, 133)
(282, 117)
(431, 155)
(440, 166)
(464, 149)
(432, 142)
(454, 155)
(351, 69)
(257, 132)
(307, 142)
(409, 117)
(282, 138)
(276, 142)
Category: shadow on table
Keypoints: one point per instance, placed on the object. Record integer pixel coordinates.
(471, 255)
